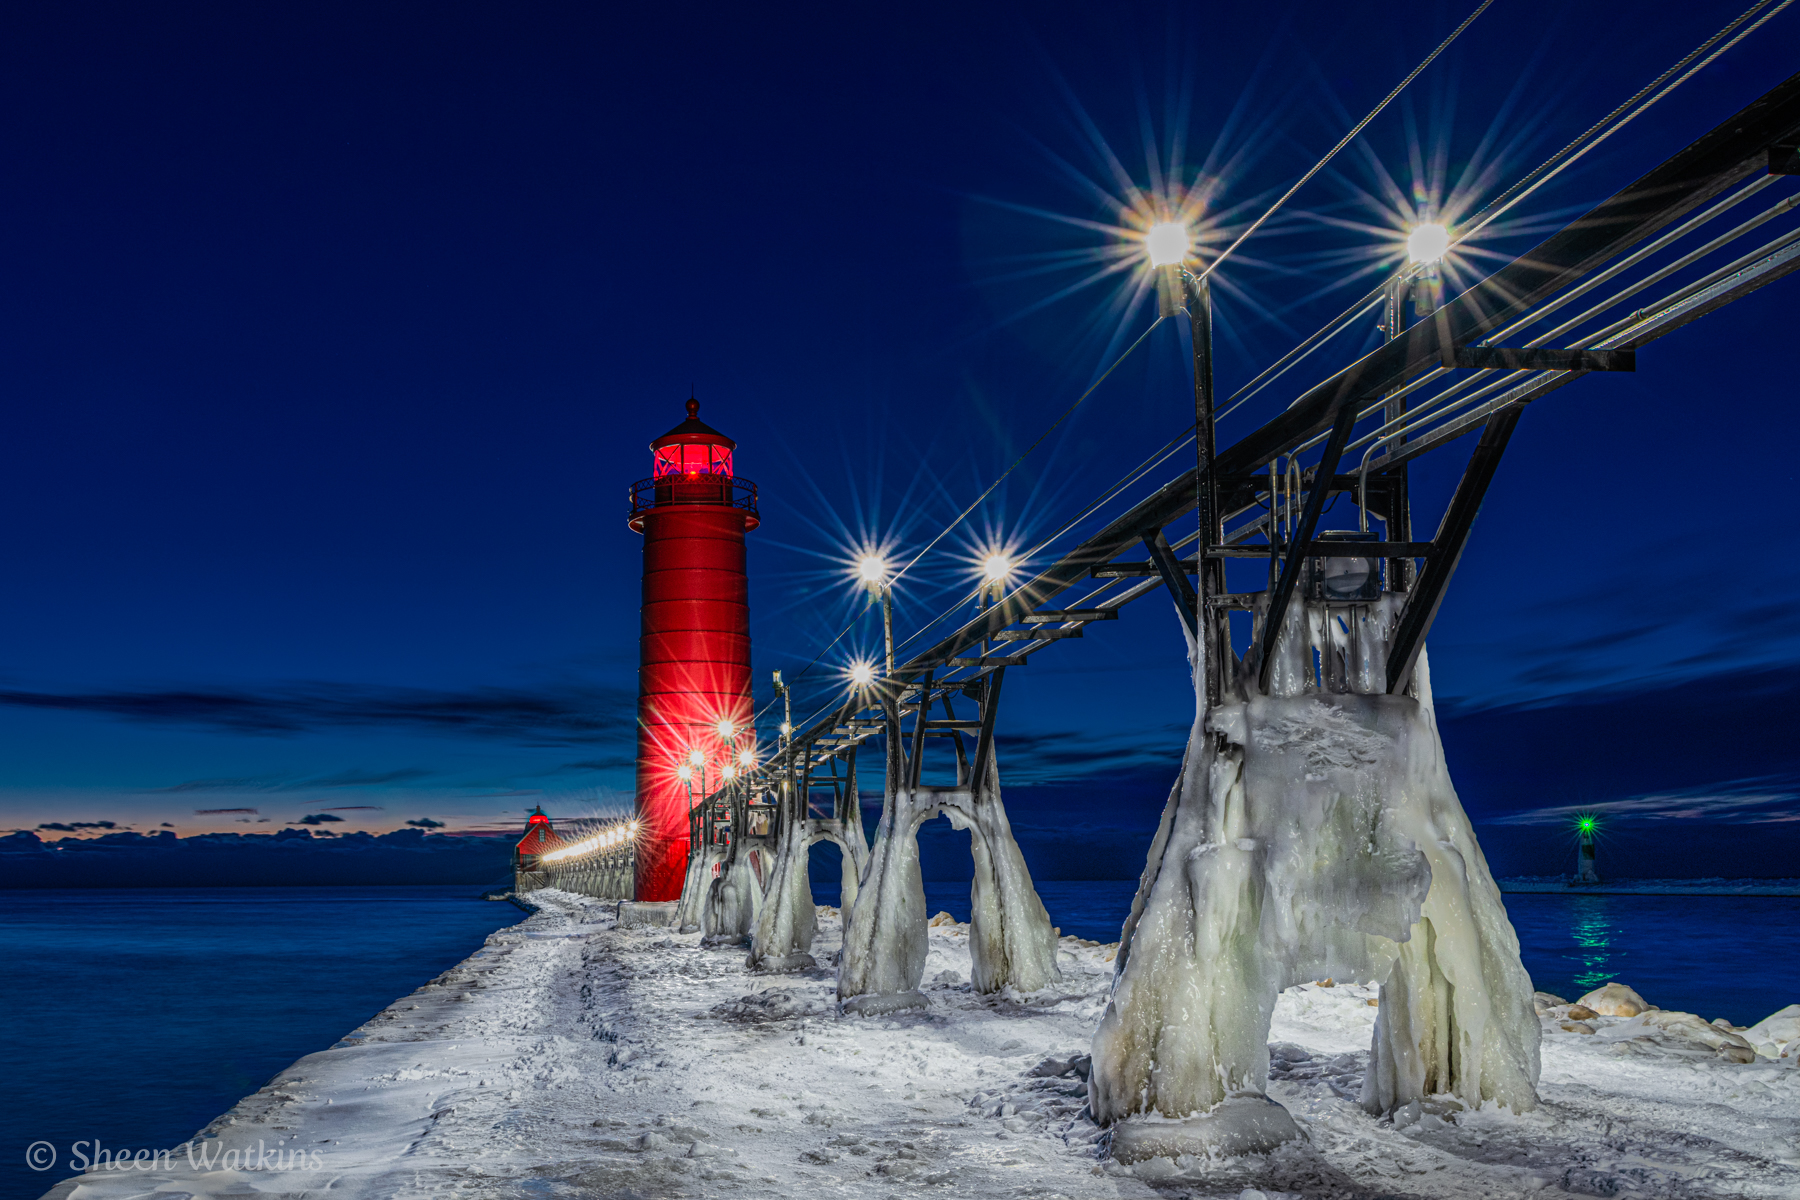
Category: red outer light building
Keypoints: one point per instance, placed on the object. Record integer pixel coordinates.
(694, 649)
(539, 840)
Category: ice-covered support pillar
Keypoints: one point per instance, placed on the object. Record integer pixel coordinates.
(1011, 940)
(1301, 840)
(885, 938)
(705, 859)
(1456, 1015)
(785, 927)
(847, 832)
(736, 895)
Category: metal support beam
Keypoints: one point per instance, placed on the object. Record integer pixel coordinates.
(849, 800)
(984, 741)
(1212, 629)
(916, 762)
(1543, 358)
(1422, 606)
(962, 758)
(1175, 579)
(1309, 521)
(1371, 549)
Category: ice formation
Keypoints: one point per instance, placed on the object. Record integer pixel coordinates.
(1778, 1034)
(734, 899)
(1012, 942)
(703, 863)
(1311, 833)
(787, 924)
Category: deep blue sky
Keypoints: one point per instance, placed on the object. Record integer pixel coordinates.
(332, 335)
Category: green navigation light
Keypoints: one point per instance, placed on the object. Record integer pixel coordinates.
(1587, 824)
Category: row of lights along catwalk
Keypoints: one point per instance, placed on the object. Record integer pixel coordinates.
(694, 650)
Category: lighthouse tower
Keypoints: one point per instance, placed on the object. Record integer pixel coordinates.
(694, 650)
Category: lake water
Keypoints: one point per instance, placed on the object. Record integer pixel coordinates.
(138, 1016)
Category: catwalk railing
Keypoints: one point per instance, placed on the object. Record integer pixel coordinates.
(588, 856)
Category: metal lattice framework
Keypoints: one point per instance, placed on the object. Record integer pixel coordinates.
(1469, 366)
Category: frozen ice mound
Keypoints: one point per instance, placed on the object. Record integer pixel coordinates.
(1615, 1000)
(1778, 1034)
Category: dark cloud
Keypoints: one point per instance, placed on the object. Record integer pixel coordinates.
(427, 823)
(318, 819)
(72, 826)
(551, 716)
(355, 808)
(208, 812)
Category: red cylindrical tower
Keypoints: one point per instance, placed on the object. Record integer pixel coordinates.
(694, 651)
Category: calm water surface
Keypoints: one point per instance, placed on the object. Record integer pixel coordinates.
(136, 1016)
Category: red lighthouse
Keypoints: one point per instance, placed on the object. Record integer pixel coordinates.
(694, 650)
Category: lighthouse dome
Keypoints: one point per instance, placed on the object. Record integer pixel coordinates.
(692, 448)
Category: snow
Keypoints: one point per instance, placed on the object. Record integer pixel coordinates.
(569, 1058)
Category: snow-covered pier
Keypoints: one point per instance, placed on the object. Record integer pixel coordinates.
(569, 1058)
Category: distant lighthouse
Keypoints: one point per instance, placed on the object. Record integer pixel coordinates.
(694, 649)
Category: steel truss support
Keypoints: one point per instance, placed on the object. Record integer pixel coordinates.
(1296, 554)
(1453, 534)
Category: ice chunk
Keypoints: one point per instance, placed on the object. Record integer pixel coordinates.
(1615, 1000)
(1777, 1034)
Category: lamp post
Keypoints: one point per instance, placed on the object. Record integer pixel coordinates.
(996, 569)
(1169, 244)
(787, 710)
(874, 572)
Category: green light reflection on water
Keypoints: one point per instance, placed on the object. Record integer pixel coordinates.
(1592, 928)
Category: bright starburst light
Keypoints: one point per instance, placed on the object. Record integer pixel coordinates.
(1427, 243)
(872, 569)
(862, 674)
(996, 568)
(1167, 243)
